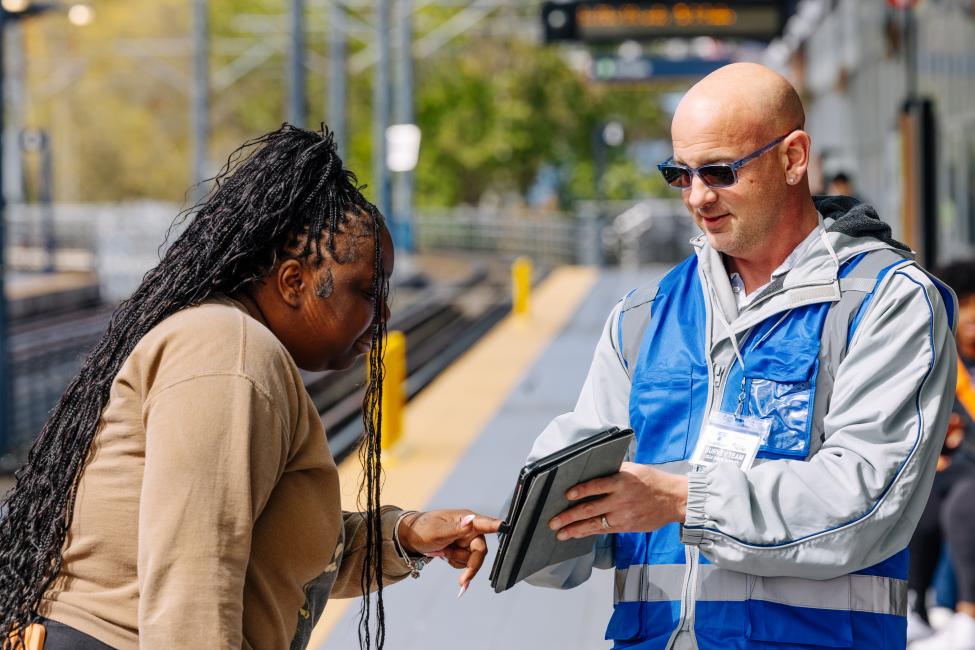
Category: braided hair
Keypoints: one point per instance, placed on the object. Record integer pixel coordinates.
(283, 194)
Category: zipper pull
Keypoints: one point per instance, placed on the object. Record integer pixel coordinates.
(718, 371)
(741, 399)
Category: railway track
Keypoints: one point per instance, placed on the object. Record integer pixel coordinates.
(437, 333)
(440, 323)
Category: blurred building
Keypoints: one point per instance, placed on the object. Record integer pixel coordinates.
(889, 89)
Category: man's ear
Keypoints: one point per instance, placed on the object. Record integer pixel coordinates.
(290, 282)
(797, 156)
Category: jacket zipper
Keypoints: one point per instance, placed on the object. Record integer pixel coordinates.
(716, 384)
(689, 588)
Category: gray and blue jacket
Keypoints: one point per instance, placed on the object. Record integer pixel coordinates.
(851, 355)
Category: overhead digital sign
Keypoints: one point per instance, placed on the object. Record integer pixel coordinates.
(617, 20)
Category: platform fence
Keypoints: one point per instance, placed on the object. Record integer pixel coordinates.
(632, 233)
(119, 243)
(552, 238)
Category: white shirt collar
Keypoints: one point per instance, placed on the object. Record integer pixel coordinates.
(738, 285)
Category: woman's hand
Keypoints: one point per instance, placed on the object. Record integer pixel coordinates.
(455, 535)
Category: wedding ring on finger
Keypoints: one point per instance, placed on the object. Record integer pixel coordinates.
(604, 522)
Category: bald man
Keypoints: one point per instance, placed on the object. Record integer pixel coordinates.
(789, 386)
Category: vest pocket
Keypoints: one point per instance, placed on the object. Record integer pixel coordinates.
(660, 413)
(798, 611)
(783, 391)
(789, 405)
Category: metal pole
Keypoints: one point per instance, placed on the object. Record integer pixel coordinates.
(380, 109)
(910, 52)
(404, 115)
(5, 379)
(14, 78)
(297, 106)
(200, 95)
(336, 73)
(599, 164)
(46, 197)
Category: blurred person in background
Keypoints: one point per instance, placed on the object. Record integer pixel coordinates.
(840, 184)
(182, 493)
(789, 385)
(950, 513)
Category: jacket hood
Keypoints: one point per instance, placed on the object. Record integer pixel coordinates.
(855, 219)
(849, 228)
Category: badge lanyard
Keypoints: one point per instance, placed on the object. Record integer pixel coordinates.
(736, 438)
(731, 437)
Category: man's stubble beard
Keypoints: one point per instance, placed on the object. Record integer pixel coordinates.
(744, 238)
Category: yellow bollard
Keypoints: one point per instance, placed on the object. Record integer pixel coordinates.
(521, 280)
(394, 389)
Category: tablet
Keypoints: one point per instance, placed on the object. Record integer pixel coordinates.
(526, 544)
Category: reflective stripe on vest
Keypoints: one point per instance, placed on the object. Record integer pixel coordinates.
(664, 582)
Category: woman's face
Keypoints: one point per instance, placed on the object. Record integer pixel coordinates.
(331, 306)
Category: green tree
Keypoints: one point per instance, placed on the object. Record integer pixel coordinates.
(492, 110)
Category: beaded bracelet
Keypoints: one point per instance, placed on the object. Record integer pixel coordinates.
(416, 564)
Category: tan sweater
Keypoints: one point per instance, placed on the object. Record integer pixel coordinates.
(209, 506)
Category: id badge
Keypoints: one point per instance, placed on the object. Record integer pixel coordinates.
(731, 439)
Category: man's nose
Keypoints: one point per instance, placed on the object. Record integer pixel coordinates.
(699, 194)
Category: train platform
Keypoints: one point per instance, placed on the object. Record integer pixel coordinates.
(33, 293)
(466, 437)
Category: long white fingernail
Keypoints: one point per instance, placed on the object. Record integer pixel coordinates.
(467, 520)
(463, 590)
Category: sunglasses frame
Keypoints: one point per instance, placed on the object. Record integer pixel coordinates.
(732, 166)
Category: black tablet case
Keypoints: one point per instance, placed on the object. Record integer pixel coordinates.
(526, 544)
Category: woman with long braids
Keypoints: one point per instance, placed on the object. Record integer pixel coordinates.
(182, 493)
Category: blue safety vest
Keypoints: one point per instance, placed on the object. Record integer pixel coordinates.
(669, 398)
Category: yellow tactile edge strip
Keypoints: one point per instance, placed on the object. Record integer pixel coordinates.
(443, 420)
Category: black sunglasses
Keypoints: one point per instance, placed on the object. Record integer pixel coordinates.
(714, 175)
